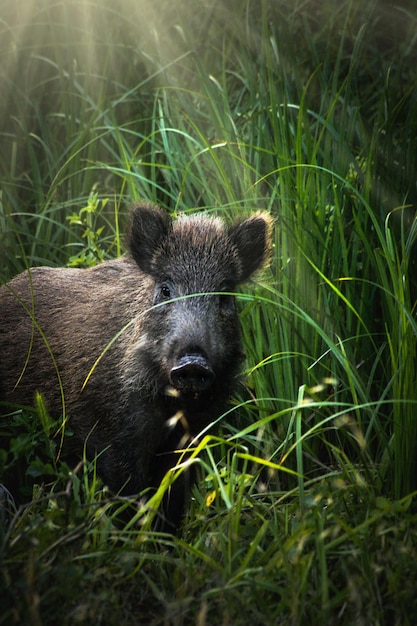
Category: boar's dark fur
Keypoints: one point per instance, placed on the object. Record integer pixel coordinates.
(160, 354)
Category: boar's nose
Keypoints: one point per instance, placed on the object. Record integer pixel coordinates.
(192, 374)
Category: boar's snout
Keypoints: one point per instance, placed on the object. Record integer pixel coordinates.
(192, 374)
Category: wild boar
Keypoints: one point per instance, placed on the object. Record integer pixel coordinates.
(125, 346)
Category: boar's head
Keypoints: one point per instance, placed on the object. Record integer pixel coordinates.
(192, 332)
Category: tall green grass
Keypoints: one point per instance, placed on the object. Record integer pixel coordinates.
(304, 510)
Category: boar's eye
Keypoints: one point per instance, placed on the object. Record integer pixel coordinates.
(227, 302)
(164, 291)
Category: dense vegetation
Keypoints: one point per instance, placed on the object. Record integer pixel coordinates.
(304, 511)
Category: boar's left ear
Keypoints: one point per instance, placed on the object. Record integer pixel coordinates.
(148, 228)
(253, 241)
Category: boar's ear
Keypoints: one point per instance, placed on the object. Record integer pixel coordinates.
(253, 241)
(148, 228)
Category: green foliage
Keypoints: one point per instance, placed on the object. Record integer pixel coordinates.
(305, 507)
(92, 252)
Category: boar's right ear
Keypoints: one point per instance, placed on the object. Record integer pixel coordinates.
(253, 242)
(149, 226)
